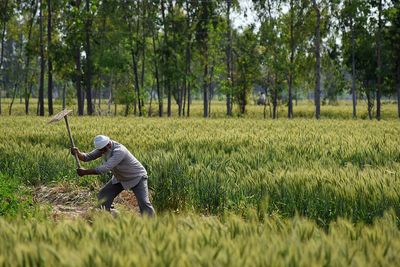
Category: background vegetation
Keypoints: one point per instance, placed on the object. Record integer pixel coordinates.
(141, 53)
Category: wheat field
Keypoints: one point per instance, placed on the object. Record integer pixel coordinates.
(228, 192)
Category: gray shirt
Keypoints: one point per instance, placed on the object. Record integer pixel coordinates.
(126, 169)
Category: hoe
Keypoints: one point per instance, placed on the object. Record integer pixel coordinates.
(59, 116)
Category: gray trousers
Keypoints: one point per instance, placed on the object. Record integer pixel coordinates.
(110, 191)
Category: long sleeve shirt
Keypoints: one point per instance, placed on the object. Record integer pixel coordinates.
(126, 169)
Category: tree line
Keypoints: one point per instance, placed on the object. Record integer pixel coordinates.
(141, 53)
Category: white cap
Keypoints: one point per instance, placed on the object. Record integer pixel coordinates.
(100, 141)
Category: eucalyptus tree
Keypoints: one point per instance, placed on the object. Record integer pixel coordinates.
(366, 66)
(205, 17)
(273, 52)
(230, 4)
(247, 69)
(49, 58)
(177, 39)
(111, 53)
(6, 13)
(131, 14)
(70, 50)
(393, 32)
(219, 84)
(317, 7)
(379, 4)
(42, 61)
(156, 55)
(90, 9)
(353, 17)
(378, 21)
(14, 48)
(323, 11)
(293, 30)
(30, 13)
(188, 77)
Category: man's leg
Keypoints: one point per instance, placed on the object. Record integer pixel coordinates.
(108, 193)
(142, 196)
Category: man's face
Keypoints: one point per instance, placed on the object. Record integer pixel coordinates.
(105, 149)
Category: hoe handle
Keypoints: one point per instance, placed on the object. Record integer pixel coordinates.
(72, 142)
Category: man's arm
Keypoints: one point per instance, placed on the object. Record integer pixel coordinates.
(106, 166)
(113, 161)
(86, 156)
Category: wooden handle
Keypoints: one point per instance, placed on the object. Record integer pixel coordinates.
(72, 142)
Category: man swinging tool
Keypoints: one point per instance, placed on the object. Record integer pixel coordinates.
(128, 173)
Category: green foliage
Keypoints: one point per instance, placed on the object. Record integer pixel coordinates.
(12, 199)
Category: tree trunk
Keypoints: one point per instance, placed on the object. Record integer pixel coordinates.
(397, 53)
(3, 35)
(136, 75)
(99, 102)
(243, 101)
(126, 109)
(205, 86)
(144, 27)
(134, 55)
(211, 94)
(169, 99)
(134, 66)
(64, 92)
(275, 95)
(290, 76)
(290, 100)
(49, 62)
(156, 74)
(275, 104)
(78, 72)
(228, 61)
(12, 100)
(353, 67)
(398, 83)
(189, 99)
(27, 97)
(318, 62)
(187, 78)
(110, 95)
(79, 92)
(379, 63)
(88, 72)
(166, 59)
(150, 111)
(176, 80)
(41, 81)
(27, 93)
(370, 105)
(184, 96)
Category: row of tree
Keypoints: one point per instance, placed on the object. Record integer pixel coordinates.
(140, 52)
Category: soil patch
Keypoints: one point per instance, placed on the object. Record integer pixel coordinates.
(70, 201)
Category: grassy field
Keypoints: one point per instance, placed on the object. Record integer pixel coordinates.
(228, 191)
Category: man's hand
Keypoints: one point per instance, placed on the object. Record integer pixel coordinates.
(75, 150)
(81, 171)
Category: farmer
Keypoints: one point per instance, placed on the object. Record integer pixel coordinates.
(128, 173)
